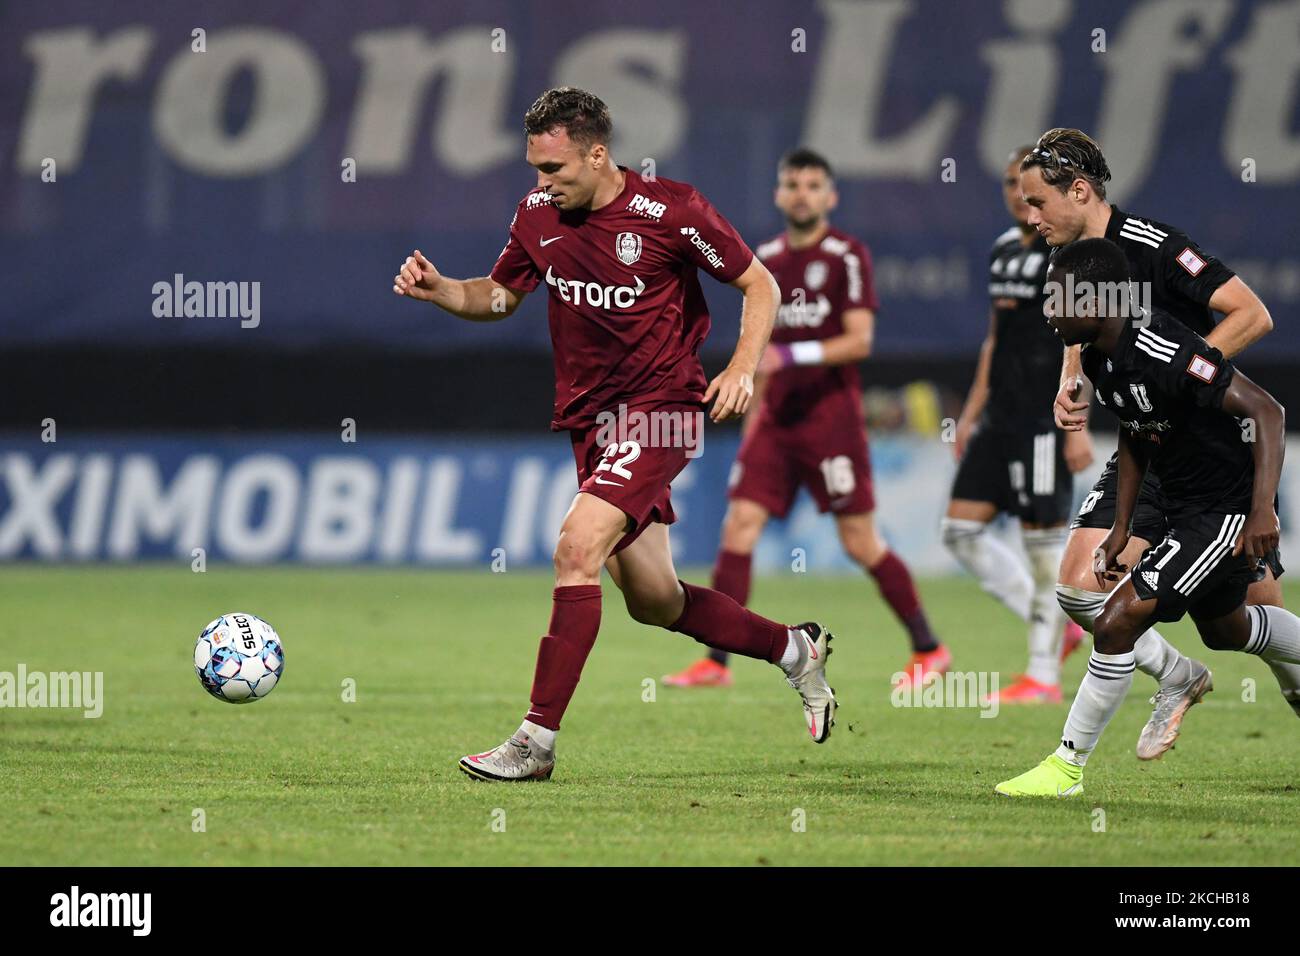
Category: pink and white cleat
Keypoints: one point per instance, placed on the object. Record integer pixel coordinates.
(808, 676)
(518, 759)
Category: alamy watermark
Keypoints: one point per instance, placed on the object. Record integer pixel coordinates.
(75, 908)
(208, 300)
(625, 432)
(83, 690)
(952, 689)
(1131, 300)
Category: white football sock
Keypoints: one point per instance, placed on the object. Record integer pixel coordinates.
(1044, 547)
(1103, 689)
(1274, 634)
(544, 737)
(998, 568)
(794, 651)
(1152, 653)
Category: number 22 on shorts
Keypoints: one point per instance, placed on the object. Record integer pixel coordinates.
(616, 459)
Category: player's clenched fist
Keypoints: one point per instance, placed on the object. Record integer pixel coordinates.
(417, 278)
(733, 389)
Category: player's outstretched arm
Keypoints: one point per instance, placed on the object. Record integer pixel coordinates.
(478, 300)
(1245, 318)
(734, 386)
(1248, 401)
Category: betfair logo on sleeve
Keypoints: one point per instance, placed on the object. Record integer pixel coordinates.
(706, 250)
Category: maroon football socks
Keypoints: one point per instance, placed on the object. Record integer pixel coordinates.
(575, 621)
(731, 577)
(898, 590)
(720, 622)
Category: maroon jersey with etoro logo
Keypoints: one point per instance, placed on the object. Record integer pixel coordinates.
(627, 314)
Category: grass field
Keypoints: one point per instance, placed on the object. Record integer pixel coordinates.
(442, 664)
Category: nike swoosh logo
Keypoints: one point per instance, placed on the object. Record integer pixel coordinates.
(812, 648)
(602, 481)
(547, 242)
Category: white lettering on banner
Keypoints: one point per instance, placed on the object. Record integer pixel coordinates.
(90, 508)
(640, 72)
(525, 489)
(421, 503)
(256, 511)
(32, 498)
(399, 508)
(287, 105)
(399, 67)
(142, 508)
(273, 477)
(438, 539)
(534, 507)
(340, 512)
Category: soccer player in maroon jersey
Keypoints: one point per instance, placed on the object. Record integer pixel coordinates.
(619, 254)
(808, 429)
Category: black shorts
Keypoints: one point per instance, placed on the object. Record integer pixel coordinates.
(1098, 510)
(1192, 569)
(1023, 473)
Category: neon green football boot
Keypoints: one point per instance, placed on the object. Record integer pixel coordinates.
(1053, 777)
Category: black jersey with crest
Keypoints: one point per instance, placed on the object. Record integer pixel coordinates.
(1181, 275)
(1025, 368)
(1166, 385)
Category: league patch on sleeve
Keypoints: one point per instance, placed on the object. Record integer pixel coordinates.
(1202, 369)
(1190, 261)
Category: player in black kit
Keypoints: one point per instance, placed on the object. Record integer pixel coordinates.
(1216, 441)
(1063, 179)
(1013, 460)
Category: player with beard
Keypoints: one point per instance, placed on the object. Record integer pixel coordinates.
(620, 255)
(1063, 181)
(808, 429)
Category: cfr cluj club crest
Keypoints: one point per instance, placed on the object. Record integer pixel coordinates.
(628, 247)
(814, 277)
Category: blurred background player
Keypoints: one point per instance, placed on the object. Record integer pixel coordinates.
(619, 254)
(1011, 460)
(808, 429)
(1063, 179)
(1180, 405)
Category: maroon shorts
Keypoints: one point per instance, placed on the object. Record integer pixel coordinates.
(632, 469)
(826, 452)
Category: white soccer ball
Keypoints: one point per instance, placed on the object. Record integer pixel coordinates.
(239, 658)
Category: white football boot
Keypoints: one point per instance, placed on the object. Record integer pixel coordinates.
(1166, 720)
(1288, 679)
(519, 758)
(808, 677)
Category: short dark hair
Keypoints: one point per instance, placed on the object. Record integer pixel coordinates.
(581, 114)
(804, 158)
(1065, 155)
(1092, 260)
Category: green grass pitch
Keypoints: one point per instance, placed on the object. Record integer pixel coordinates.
(442, 663)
